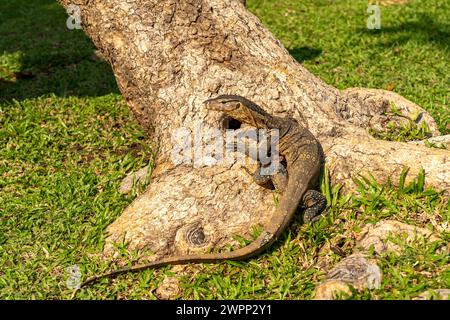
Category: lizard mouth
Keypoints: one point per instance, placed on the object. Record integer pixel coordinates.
(211, 104)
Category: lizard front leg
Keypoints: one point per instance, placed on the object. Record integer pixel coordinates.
(277, 181)
(264, 181)
(271, 179)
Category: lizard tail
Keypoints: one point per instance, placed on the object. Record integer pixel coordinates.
(254, 248)
(282, 217)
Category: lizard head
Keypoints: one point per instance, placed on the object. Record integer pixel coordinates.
(236, 107)
(224, 103)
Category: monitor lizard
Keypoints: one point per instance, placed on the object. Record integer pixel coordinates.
(303, 156)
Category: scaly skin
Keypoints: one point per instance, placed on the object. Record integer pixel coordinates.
(303, 157)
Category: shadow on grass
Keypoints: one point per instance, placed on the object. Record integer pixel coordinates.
(52, 58)
(305, 53)
(423, 29)
(62, 61)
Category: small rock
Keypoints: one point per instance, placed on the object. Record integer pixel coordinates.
(442, 294)
(354, 270)
(330, 289)
(138, 177)
(168, 289)
(378, 235)
(357, 271)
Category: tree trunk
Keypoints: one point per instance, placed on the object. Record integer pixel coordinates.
(169, 56)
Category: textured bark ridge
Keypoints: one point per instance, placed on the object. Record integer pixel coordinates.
(169, 56)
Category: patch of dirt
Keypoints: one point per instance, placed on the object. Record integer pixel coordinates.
(135, 149)
(387, 3)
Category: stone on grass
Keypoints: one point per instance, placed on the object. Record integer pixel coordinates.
(168, 289)
(332, 289)
(435, 294)
(378, 235)
(356, 271)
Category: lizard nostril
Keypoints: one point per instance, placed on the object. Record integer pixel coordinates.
(230, 123)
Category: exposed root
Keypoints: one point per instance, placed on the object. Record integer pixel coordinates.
(375, 108)
(349, 157)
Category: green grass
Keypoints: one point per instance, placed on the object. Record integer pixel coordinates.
(67, 140)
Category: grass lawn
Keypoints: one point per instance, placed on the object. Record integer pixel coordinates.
(67, 139)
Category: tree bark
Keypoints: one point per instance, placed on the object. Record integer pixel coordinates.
(169, 56)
